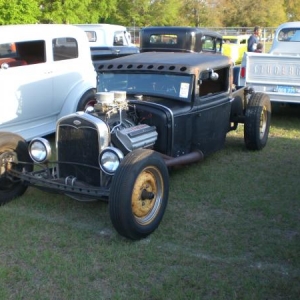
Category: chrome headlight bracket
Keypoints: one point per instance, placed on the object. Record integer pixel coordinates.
(39, 150)
(110, 159)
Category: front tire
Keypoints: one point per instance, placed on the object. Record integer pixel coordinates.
(257, 121)
(13, 144)
(139, 194)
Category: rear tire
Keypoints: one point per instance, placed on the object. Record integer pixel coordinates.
(13, 143)
(139, 194)
(257, 121)
(88, 99)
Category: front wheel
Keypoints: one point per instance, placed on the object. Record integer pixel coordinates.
(257, 121)
(139, 194)
(10, 145)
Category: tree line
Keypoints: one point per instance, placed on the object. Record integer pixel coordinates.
(141, 13)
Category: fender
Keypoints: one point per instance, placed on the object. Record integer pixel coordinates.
(73, 98)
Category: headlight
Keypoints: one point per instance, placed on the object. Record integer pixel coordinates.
(40, 150)
(110, 159)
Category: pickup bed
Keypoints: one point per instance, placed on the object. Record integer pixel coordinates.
(276, 73)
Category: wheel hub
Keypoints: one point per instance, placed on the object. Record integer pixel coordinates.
(5, 159)
(144, 193)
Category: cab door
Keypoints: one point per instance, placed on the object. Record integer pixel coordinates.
(212, 118)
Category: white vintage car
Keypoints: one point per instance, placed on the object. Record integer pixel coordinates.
(108, 41)
(46, 72)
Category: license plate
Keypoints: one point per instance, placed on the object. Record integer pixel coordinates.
(287, 89)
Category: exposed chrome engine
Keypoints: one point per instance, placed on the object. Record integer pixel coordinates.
(126, 133)
(92, 144)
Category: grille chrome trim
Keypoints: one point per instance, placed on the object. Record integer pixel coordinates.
(80, 146)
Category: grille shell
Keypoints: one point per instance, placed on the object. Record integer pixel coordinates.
(79, 140)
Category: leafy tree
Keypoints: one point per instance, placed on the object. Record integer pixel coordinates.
(292, 9)
(142, 13)
(245, 13)
(76, 11)
(164, 12)
(19, 12)
(202, 13)
(130, 12)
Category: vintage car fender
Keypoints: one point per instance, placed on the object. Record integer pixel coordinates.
(71, 103)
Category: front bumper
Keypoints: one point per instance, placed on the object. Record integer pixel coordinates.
(46, 179)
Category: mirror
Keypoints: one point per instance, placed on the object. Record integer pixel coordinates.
(209, 74)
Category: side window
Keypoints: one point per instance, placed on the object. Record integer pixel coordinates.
(91, 35)
(208, 43)
(64, 48)
(22, 53)
(213, 82)
(119, 38)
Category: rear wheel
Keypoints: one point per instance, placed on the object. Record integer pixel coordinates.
(12, 145)
(88, 99)
(257, 121)
(139, 194)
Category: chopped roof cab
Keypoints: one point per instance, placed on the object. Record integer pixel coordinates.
(179, 39)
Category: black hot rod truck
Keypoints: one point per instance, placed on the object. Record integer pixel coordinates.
(154, 110)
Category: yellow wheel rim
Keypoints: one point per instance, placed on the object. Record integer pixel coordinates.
(147, 195)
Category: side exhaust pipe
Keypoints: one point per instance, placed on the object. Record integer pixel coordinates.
(192, 157)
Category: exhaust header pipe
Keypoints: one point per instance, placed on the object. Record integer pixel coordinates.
(184, 159)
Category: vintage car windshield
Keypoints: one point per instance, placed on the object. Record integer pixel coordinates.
(167, 85)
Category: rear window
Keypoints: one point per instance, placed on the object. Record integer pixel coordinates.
(64, 48)
(289, 35)
(163, 39)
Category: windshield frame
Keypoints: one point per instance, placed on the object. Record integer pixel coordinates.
(164, 85)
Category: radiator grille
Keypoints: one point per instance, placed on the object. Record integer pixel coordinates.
(78, 145)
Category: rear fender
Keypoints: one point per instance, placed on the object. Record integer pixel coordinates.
(72, 100)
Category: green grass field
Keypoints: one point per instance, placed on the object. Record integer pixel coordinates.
(231, 231)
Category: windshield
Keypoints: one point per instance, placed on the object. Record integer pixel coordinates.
(162, 85)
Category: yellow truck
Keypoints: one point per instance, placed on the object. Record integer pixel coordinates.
(235, 46)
